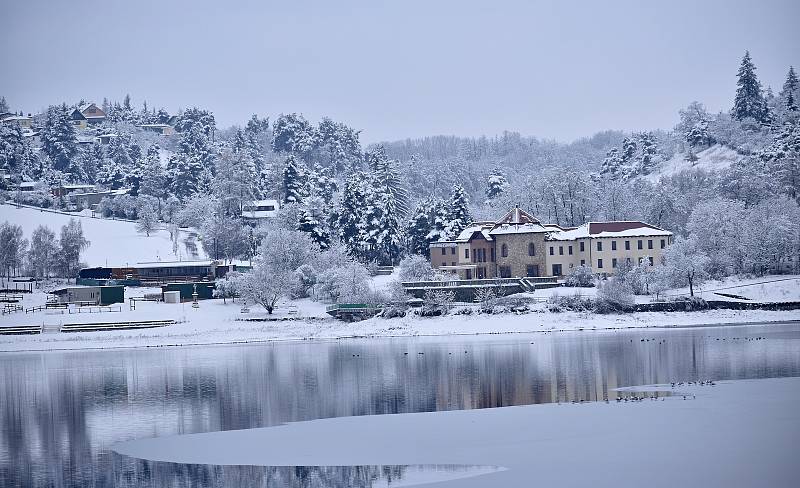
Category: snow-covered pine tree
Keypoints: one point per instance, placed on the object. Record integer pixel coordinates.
(16, 153)
(612, 164)
(292, 133)
(58, 137)
(496, 184)
(184, 173)
(351, 212)
(418, 228)
(322, 183)
(648, 150)
(790, 90)
(782, 159)
(293, 181)
(4, 108)
(459, 218)
(154, 178)
(628, 150)
(749, 100)
(389, 238)
(387, 177)
(312, 221)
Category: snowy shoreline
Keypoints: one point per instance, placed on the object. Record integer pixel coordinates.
(204, 330)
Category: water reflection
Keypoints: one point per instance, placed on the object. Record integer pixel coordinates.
(138, 473)
(61, 412)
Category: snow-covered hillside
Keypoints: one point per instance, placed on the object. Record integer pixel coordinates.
(715, 158)
(113, 242)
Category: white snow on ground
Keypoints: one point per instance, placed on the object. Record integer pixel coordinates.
(215, 322)
(712, 439)
(715, 158)
(772, 288)
(112, 242)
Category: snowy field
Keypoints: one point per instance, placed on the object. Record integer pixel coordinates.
(715, 158)
(774, 288)
(112, 242)
(710, 437)
(216, 322)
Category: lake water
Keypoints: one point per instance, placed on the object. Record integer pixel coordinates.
(61, 412)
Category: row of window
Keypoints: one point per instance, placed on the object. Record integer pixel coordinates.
(639, 245)
(479, 256)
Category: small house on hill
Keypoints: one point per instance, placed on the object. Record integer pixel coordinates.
(87, 114)
(259, 210)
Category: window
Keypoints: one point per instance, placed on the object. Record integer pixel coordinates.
(444, 251)
(532, 270)
(493, 254)
(613, 245)
(551, 250)
(570, 250)
(505, 271)
(639, 244)
(466, 253)
(557, 270)
(627, 245)
(663, 243)
(469, 274)
(504, 251)
(627, 260)
(599, 263)
(453, 263)
(531, 249)
(650, 258)
(614, 263)
(453, 251)
(560, 250)
(582, 247)
(583, 262)
(599, 245)
(649, 243)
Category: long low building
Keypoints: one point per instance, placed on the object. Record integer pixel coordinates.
(518, 245)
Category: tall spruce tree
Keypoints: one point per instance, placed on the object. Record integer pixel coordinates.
(789, 92)
(58, 137)
(293, 185)
(459, 218)
(749, 100)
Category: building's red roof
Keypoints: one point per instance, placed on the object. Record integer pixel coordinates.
(599, 227)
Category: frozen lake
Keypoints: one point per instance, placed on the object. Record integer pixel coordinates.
(60, 413)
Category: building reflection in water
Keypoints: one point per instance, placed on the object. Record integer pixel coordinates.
(61, 412)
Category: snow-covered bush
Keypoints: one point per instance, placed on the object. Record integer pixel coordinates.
(266, 285)
(37, 198)
(346, 284)
(580, 276)
(573, 303)
(614, 296)
(415, 268)
(485, 297)
(437, 302)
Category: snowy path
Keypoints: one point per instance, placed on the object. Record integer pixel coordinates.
(738, 433)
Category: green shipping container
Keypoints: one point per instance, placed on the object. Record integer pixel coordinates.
(205, 290)
(112, 294)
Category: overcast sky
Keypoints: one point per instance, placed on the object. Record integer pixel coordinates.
(408, 68)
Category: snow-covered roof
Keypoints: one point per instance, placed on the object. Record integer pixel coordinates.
(610, 229)
(504, 229)
(467, 233)
(258, 209)
(14, 118)
(170, 264)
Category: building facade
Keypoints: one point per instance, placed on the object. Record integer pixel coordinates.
(518, 245)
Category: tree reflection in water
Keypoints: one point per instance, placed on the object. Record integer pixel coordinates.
(60, 413)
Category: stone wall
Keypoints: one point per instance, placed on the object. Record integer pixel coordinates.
(518, 258)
